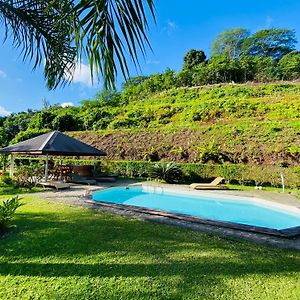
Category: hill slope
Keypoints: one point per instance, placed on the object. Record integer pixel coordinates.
(224, 123)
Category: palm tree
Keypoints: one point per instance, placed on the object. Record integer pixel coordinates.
(60, 32)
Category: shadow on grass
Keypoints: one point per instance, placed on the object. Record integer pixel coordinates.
(14, 190)
(95, 245)
(196, 268)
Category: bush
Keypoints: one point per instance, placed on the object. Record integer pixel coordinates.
(169, 172)
(290, 66)
(7, 210)
(197, 172)
(5, 180)
(29, 176)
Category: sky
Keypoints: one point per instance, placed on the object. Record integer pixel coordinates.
(180, 26)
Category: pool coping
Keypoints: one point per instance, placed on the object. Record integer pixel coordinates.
(287, 233)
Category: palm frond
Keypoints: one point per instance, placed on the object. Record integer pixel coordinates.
(108, 31)
(42, 30)
(53, 32)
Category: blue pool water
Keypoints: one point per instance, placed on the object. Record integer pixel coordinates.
(223, 209)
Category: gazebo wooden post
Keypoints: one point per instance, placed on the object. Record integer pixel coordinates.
(61, 170)
(4, 163)
(95, 165)
(46, 168)
(11, 169)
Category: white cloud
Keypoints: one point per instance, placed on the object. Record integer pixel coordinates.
(2, 74)
(66, 104)
(82, 75)
(269, 21)
(170, 27)
(4, 112)
(153, 62)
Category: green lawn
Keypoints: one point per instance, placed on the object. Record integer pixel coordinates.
(62, 252)
(11, 189)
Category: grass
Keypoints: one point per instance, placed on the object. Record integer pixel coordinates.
(10, 189)
(265, 188)
(62, 252)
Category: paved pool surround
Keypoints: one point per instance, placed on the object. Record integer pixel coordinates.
(286, 238)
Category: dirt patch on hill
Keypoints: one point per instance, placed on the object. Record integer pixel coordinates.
(193, 146)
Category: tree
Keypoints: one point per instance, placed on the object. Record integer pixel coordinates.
(3, 137)
(184, 78)
(290, 66)
(274, 43)
(67, 121)
(247, 66)
(267, 70)
(222, 69)
(193, 58)
(229, 43)
(57, 32)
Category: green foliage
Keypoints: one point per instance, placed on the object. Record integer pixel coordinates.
(150, 85)
(273, 43)
(211, 152)
(28, 175)
(185, 78)
(197, 172)
(193, 58)
(66, 121)
(15, 123)
(55, 32)
(8, 209)
(42, 30)
(290, 66)
(106, 29)
(249, 124)
(168, 172)
(230, 42)
(5, 180)
(28, 134)
(267, 70)
(3, 137)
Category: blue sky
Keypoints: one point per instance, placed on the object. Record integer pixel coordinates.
(181, 26)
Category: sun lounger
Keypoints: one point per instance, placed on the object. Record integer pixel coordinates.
(55, 184)
(214, 185)
(75, 178)
(104, 177)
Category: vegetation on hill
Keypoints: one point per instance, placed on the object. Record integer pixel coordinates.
(169, 117)
(233, 123)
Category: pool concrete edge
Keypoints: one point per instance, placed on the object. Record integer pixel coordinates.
(221, 231)
(75, 197)
(284, 233)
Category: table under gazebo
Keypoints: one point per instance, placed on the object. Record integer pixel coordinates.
(52, 144)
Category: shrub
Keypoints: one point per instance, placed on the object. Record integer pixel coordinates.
(229, 172)
(5, 180)
(7, 210)
(169, 172)
(29, 176)
(197, 172)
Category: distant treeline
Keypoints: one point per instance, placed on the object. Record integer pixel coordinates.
(236, 56)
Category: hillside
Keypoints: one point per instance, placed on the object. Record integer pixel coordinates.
(226, 123)
(256, 124)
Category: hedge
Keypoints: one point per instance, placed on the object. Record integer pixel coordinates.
(196, 172)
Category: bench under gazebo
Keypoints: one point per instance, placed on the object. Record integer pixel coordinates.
(52, 144)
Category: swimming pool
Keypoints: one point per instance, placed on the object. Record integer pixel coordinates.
(223, 208)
